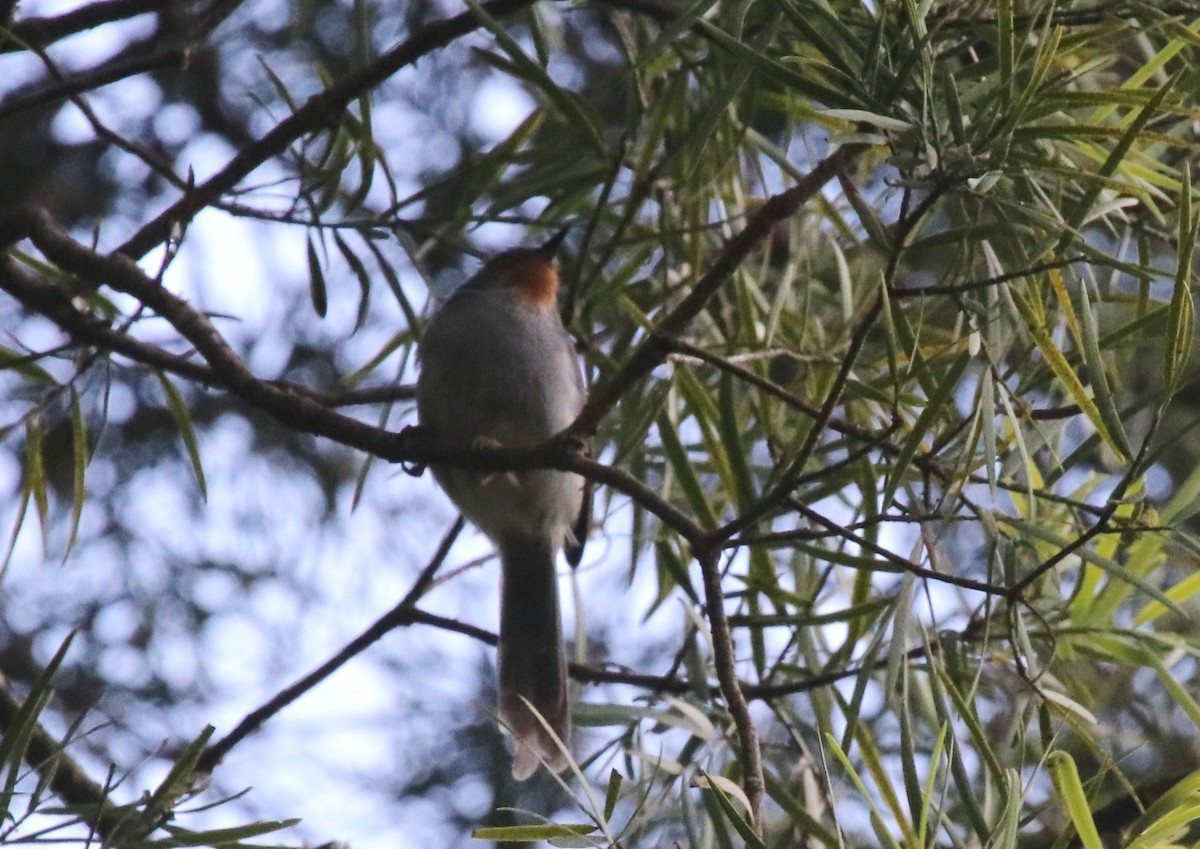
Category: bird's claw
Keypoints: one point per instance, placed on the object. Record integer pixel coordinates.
(487, 443)
(411, 437)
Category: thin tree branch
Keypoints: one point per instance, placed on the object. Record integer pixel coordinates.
(319, 111)
(399, 615)
(898, 563)
(111, 72)
(68, 780)
(41, 32)
(85, 328)
(725, 661)
(652, 350)
(298, 407)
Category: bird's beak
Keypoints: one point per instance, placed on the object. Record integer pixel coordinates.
(550, 247)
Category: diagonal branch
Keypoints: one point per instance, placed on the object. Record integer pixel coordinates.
(298, 408)
(320, 111)
(41, 32)
(653, 350)
(399, 615)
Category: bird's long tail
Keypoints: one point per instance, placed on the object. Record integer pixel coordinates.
(532, 661)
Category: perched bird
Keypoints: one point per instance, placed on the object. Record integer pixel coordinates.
(497, 368)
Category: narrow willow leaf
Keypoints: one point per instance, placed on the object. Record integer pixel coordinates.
(532, 833)
(1010, 818)
(361, 275)
(861, 116)
(25, 365)
(79, 448)
(1034, 320)
(1185, 700)
(1185, 500)
(722, 789)
(280, 89)
(1181, 593)
(393, 282)
(316, 281)
(612, 793)
(1181, 317)
(1165, 831)
(1097, 374)
(774, 70)
(1066, 780)
(1005, 44)
(574, 110)
(22, 508)
(927, 801)
(35, 470)
(685, 471)
(20, 728)
(1095, 185)
(187, 433)
(873, 759)
(232, 837)
(1131, 91)
(399, 340)
(180, 777)
(1115, 571)
(934, 407)
(1185, 793)
(798, 812)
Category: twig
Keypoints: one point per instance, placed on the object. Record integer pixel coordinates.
(399, 615)
(84, 328)
(652, 350)
(898, 563)
(724, 659)
(318, 112)
(69, 86)
(67, 779)
(41, 32)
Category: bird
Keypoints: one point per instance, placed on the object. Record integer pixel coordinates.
(497, 367)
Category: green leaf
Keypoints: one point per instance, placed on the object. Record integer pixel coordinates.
(232, 837)
(1066, 779)
(1181, 317)
(684, 470)
(533, 833)
(18, 521)
(1033, 315)
(1094, 186)
(26, 366)
(79, 448)
(611, 794)
(575, 111)
(187, 433)
(180, 778)
(1106, 405)
(316, 281)
(35, 470)
(361, 275)
(934, 407)
(20, 730)
(721, 788)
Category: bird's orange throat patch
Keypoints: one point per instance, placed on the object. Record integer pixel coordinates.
(535, 279)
